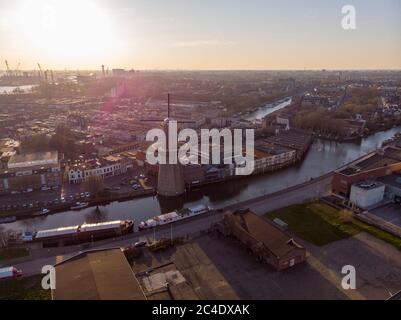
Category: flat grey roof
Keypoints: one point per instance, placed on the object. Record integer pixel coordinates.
(392, 180)
(33, 159)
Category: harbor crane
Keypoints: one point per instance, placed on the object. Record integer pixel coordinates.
(8, 69)
(40, 70)
(17, 72)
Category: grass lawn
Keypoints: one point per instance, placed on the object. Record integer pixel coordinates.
(23, 289)
(320, 224)
(315, 222)
(13, 253)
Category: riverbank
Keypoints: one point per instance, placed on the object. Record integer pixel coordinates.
(353, 139)
(260, 112)
(322, 158)
(146, 192)
(63, 207)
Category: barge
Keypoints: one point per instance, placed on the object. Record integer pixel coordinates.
(81, 233)
(174, 216)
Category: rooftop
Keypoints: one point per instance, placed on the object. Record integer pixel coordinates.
(276, 240)
(372, 161)
(369, 185)
(33, 159)
(293, 138)
(99, 275)
(393, 180)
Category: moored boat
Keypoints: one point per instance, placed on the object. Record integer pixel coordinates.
(80, 205)
(174, 216)
(41, 212)
(8, 219)
(80, 233)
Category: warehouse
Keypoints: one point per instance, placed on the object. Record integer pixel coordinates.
(371, 166)
(31, 171)
(265, 240)
(367, 193)
(96, 275)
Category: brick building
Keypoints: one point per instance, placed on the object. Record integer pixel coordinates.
(374, 165)
(267, 241)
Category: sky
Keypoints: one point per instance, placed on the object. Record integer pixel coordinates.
(194, 34)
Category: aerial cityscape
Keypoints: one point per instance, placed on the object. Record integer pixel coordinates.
(200, 151)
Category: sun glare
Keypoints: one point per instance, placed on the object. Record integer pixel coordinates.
(70, 29)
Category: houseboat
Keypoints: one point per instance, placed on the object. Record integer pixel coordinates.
(174, 217)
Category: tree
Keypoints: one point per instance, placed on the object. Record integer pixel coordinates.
(345, 216)
(36, 143)
(93, 184)
(64, 141)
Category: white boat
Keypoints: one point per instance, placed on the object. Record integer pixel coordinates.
(10, 273)
(80, 205)
(174, 216)
(42, 212)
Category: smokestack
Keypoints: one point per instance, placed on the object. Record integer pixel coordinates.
(168, 105)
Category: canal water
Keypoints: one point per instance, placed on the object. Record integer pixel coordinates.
(322, 157)
(269, 108)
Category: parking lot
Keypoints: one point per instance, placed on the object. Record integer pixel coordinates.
(390, 212)
(378, 270)
(69, 194)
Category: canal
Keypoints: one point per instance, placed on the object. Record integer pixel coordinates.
(323, 157)
(269, 108)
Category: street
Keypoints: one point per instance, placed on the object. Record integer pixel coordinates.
(260, 205)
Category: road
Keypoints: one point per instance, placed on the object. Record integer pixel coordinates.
(261, 205)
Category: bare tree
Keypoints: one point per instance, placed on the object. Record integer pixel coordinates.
(94, 184)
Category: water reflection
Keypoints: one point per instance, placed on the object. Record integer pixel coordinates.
(323, 157)
(96, 215)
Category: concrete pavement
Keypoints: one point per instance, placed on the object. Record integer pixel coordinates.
(297, 194)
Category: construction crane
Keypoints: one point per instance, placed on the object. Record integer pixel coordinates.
(17, 69)
(40, 70)
(52, 76)
(46, 77)
(8, 69)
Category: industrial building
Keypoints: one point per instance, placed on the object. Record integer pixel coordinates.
(267, 242)
(269, 157)
(374, 165)
(367, 193)
(31, 171)
(393, 186)
(297, 139)
(96, 275)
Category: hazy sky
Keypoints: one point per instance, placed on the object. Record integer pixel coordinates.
(199, 34)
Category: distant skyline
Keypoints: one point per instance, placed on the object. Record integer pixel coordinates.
(199, 35)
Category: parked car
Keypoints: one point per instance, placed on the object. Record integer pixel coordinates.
(140, 244)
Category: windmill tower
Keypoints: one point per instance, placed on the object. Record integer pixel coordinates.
(170, 181)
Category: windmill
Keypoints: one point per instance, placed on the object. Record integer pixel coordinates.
(170, 181)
